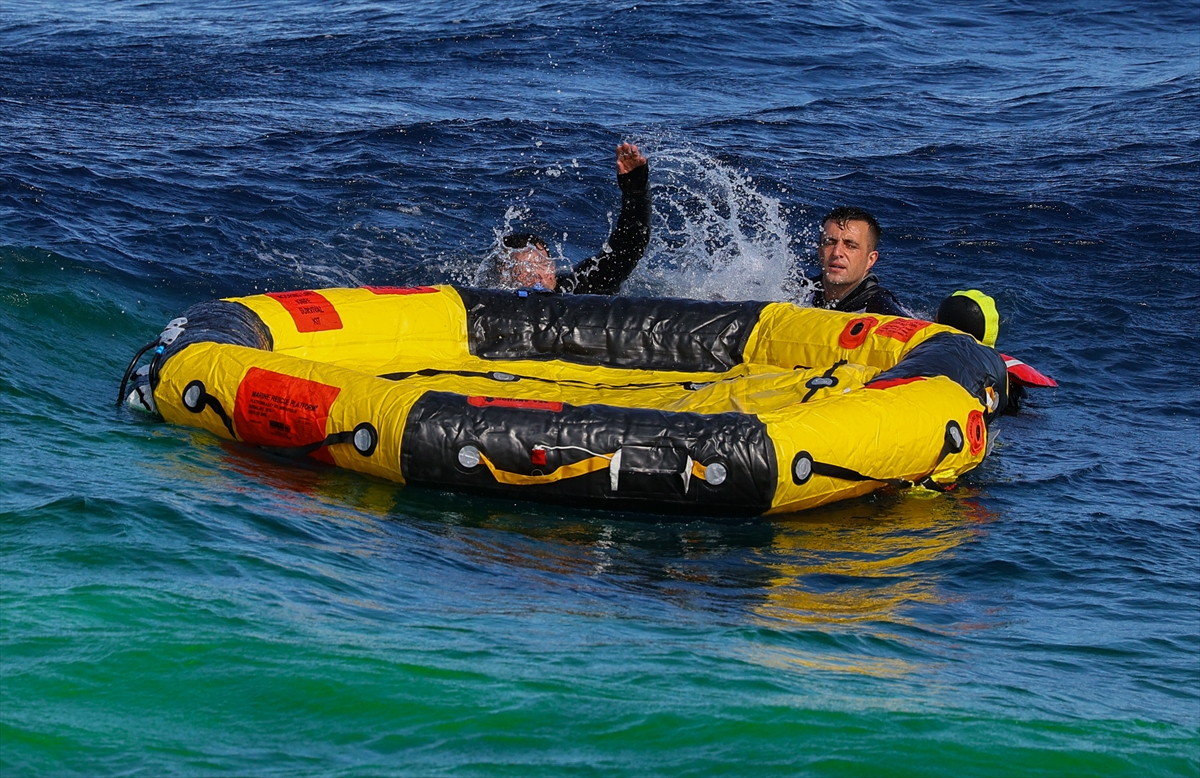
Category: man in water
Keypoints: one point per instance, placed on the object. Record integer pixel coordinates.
(847, 252)
(525, 262)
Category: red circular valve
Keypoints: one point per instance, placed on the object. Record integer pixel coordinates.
(976, 432)
(856, 331)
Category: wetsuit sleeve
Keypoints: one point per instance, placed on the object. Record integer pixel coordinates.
(605, 272)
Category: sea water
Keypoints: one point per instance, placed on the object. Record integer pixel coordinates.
(172, 604)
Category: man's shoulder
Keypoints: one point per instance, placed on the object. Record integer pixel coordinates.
(868, 297)
(872, 297)
(879, 299)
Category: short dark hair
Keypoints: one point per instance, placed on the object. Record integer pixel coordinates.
(850, 213)
(520, 240)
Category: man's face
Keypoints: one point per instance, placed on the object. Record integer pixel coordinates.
(846, 253)
(529, 268)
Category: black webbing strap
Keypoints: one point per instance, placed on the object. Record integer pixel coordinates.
(804, 467)
(196, 398)
(825, 381)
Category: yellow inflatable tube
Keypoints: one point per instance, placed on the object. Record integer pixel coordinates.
(668, 406)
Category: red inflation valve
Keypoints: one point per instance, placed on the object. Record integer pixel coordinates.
(856, 331)
(976, 432)
(538, 456)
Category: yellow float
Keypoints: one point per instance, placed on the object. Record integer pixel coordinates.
(668, 406)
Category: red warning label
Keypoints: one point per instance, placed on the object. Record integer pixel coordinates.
(310, 310)
(508, 402)
(401, 289)
(901, 329)
(273, 409)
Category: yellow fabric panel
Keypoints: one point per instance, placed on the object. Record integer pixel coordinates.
(404, 332)
(430, 328)
(894, 433)
(757, 391)
(788, 335)
(745, 389)
(221, 378)
(361, 398)
(654, 396)
(562, 372)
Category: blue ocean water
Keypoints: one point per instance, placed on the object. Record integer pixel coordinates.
(172, 604)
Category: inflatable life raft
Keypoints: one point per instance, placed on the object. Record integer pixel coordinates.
(667, 406)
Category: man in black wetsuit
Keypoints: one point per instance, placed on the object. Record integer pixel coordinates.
(847, 252)
(526, 262)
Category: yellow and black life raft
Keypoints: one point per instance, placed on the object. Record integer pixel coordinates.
(671, 406)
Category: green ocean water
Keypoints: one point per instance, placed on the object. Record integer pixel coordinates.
(174, 604)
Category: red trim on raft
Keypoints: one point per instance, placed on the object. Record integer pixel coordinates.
(888, 383)
(401, 289)
(508, 402)
(1023, 374)
(902, 329)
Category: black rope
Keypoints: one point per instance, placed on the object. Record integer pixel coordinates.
(952, 444)
(215, 404)
(129, 370)
(846, 474)
(296, 452)
(495, 375)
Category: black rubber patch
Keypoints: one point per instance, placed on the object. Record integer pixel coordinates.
(655, 446)
(219, 321)
(630, 332)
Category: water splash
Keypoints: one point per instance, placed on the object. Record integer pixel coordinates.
(716, 236)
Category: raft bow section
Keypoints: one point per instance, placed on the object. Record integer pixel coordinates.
(668, 406)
